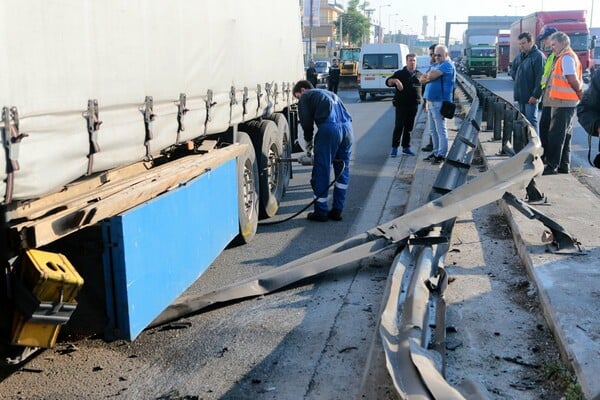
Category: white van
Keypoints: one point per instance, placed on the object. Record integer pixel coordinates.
(377, 63)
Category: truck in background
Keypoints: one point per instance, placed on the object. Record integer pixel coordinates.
(595, 51)
(503, 51)
(573, 23)
(137, 146)
(480, 51)
(349, 57)
(454, 51)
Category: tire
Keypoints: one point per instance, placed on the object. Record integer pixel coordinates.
(494, 74)
(362, 96)
(286, 147)
(268, 146)
(248, 191)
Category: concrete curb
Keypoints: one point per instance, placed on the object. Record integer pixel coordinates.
(568, 285)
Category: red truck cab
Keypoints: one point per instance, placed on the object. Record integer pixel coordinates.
(503, 52)
(573, 23)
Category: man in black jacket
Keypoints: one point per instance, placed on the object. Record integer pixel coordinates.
(311, 74)
(527, 70)
(408, 95)
(334, 76)
(588, 113)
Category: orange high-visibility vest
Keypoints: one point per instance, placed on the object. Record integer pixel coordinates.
(560, 88)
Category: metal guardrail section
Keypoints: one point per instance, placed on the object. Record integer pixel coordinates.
(414, 298)
(412, 327)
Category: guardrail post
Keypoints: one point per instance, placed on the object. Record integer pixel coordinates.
(489, 101)
(499, 108)
(510, 116)
(482, 100)
(520, 134)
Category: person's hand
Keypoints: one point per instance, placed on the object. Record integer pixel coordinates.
(309, 149)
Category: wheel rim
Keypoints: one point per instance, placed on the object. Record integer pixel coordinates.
(249, 195)
(273, 168)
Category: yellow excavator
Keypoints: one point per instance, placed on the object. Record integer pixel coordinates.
(349, 57)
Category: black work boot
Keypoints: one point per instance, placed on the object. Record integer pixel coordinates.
(312, 216)
(335, 214)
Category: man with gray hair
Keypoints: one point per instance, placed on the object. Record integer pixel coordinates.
(439, 88)
(562, 94)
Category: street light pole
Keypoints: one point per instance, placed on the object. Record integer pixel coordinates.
(310, 32)
(341, 31)
(389, 21)
(516, 7)
(379, 36)
(592, 15)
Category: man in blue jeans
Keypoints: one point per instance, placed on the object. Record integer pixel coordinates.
(332, 145)
(527, 70)
(439, 88)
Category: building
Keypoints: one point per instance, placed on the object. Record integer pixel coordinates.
(320, 37)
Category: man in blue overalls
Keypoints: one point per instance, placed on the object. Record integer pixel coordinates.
(332, 145)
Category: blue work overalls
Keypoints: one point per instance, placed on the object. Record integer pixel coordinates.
(332, 145)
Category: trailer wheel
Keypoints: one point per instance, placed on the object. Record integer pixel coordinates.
(362, 96)
(247, 181)
(268, 146)
(286, 147)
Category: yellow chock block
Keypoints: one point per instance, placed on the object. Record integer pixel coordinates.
(54, 283)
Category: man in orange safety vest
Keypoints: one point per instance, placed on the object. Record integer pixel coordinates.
(563, 94)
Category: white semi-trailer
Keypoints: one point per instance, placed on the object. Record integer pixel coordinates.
(154, 129)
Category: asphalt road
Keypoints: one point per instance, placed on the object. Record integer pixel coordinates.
(308, 341)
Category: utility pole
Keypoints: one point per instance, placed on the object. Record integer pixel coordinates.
(380, 35)
(310, 31)
(341, 31)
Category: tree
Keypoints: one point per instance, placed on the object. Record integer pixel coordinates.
(355, 26)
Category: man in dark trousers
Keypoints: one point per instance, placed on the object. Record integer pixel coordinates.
(588, 113)
(332, 145)
(407, 97)
(429, 146)
(334, 76)
(527, 70)
(311, 74)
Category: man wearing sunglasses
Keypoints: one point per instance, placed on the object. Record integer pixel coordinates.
(439, 88)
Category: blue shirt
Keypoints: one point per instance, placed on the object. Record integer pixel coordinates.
(434, 90)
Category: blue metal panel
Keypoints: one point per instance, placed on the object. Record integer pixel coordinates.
(160, 248)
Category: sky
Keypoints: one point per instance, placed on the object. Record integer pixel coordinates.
(408, 16)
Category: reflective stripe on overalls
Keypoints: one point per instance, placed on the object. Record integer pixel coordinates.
(332, 144)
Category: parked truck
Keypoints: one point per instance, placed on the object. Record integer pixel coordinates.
(595, 51)
(573, 23)
(480, 51)
(140, 139)
(503, 51)
(454, 52)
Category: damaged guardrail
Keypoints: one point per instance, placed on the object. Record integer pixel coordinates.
(412, 327)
